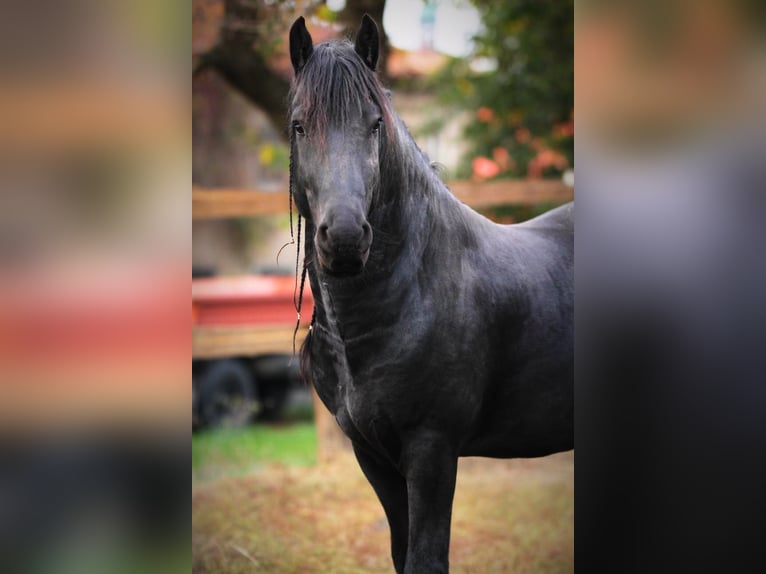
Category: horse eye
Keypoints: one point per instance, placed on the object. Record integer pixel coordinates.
(376, 127)
(298, 129)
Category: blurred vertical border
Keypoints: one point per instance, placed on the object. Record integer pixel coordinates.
(670, 284)
(95, 240)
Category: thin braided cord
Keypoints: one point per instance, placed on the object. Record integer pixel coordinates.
(300, 302)
(297, 297)
(290, 206)
(297, 291)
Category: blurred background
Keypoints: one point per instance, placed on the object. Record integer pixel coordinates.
(670, 279)
(94, 258)
(93, 217)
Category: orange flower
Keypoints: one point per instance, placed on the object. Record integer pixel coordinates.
(484, 168)
(563, 130)
(549, 158)
(546, 158)
(485, 114)
(534, 169)
(503, 158)
(523, 135)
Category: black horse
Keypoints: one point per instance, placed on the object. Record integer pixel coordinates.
(437, 333)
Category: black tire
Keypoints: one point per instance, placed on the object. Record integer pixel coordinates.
(274, 400)
(227, 395)
(274, 375)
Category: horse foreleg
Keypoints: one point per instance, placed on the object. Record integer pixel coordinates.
(431, 469)
(391, 489)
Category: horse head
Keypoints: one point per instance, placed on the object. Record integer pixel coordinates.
(338, 113)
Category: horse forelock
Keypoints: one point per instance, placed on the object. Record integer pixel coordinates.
(333, 85)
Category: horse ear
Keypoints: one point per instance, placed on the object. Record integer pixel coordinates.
(367, 42)
(301, 44)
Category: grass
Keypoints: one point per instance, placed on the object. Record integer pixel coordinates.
(285, 517)
(236, 452)
(261, 503)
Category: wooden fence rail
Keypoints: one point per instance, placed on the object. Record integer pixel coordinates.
(221, 203)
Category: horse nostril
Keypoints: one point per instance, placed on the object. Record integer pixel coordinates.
(324, 232)
(366, 233)
(344, 236)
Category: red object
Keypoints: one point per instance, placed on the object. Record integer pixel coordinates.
(78, 314)
(248, 300)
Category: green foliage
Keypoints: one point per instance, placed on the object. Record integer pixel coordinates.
(275, 155)
(519, 86)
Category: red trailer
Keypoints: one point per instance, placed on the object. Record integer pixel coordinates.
(243, 365)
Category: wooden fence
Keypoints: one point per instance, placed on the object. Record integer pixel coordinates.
(221, 203)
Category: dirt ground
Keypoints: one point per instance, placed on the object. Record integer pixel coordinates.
(508, 516)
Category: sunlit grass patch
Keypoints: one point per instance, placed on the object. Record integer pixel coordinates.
(226, 452)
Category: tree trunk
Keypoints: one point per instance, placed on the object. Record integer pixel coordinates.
(241, 55)
(239, 58)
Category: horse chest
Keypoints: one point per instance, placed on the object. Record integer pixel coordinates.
(360, 401)
(389, 373)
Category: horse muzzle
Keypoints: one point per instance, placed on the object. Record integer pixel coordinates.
(342, 250)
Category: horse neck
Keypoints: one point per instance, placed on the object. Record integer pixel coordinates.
(424, 214)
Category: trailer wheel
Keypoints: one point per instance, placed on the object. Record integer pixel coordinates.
(227, 395)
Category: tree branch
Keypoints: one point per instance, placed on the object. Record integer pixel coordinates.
(239, 61)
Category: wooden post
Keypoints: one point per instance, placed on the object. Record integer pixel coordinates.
(330, 439)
